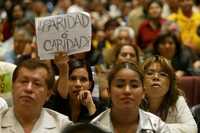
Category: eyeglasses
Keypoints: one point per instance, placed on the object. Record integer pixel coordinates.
(151, 73)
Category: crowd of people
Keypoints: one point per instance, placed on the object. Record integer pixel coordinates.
(126, 83)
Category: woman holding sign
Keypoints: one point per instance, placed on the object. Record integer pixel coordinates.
(73, 96)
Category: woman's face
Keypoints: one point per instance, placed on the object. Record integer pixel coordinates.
(126, 90)
(167, 48)
(127, 54)
(17, 12)
(154, 10)
(156, 81)
(78, 81)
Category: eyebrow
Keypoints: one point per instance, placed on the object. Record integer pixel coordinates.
(132, 80)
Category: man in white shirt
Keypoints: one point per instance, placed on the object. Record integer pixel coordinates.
(32, 85)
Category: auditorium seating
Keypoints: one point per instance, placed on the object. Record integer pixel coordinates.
(191, 86)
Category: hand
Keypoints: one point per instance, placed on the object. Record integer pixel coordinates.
(27, 49)
(196, 65)
(179, 73)
(85, 98)
(61, 60)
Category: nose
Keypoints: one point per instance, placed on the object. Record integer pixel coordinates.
(156, 76)
(78, 83)
(127, 88)
(128, 56)
(167, 45)
(29, 87)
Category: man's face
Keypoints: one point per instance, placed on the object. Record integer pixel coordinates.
(30, 89)
(19, 42)
(186, 5)
(123, 38)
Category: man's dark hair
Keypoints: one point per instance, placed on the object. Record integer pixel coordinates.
(33, 64)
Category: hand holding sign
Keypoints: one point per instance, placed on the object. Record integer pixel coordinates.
(69, 33)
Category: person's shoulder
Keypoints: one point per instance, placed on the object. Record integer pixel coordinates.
(6, 66)
(6, 115)
(180, 100)
(196, 15)
(3, 103)
(150, 118)
(148, 115)
(4, 111)
(103, 121)
(144, 25)
(136, 12)
(102, 116)
(153, 122)
(56, 117)
(172, 17)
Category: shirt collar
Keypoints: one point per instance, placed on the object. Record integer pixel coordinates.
(45, 120)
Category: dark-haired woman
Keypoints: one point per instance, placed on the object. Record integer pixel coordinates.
(181, 57)
(75, 100)
(151, 26)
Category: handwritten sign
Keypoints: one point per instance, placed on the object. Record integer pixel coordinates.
(70, 33)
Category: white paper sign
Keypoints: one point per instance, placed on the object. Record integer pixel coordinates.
(70, 33)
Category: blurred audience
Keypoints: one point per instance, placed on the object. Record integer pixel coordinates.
(168, 45)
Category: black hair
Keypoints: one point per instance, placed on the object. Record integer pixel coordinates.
(112, 23)
(148, 4)
(74, 64)
(83, 128)
(162, 38)
(33, 64)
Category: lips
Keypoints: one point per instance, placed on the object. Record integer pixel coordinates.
(27, 98)
(155, 85)
(127, 99)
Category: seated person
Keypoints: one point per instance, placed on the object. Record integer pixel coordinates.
(75, 98)
(126, 92)
(181, 57)
(163, 98)
(32, 86)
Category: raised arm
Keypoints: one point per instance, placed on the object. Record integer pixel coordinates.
(61, 60)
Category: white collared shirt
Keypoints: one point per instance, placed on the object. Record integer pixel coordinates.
(180, 119)
(48, 122)
(147, 121)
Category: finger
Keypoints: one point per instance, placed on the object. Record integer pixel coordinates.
(85, 95)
